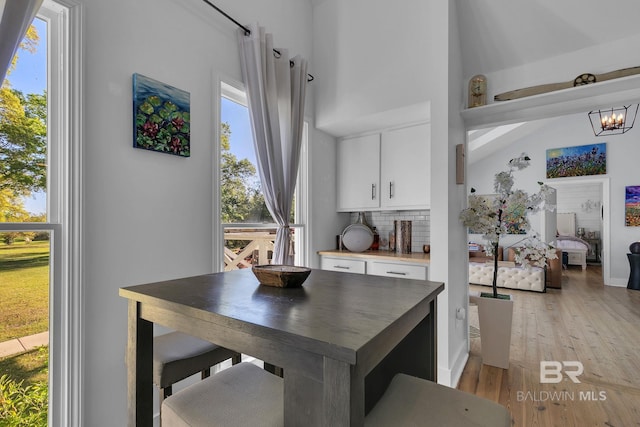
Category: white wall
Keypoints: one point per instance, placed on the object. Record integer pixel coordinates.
(374, 59)
(149, 216)
(622, 154)
(448, 236)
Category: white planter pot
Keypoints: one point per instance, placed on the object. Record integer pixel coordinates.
(495, 317)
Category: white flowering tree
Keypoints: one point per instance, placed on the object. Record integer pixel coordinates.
(488, 216)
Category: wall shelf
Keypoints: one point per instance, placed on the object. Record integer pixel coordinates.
(609, 93)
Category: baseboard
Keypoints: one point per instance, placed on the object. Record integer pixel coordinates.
(617, 282)
(451, 377)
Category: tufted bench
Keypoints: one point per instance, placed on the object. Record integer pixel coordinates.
(531, 279)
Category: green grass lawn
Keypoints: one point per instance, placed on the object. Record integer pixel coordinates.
(24, 289)
(29, 367)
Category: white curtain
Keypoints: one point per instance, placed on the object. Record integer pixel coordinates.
(16, 16)
(275, 94)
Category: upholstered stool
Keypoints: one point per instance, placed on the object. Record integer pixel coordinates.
(411, 401)
(242, 395)
(177, 356)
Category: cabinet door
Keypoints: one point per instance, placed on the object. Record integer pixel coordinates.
(358, 173)
(406, 168)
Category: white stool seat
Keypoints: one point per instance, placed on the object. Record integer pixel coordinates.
(414, 402)
(240, 396)
(177, 356)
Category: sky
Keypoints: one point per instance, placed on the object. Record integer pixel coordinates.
(30, 76)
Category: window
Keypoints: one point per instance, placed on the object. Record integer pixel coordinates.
(59, 201)
(248, 229)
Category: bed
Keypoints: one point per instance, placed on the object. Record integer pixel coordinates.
(567, 241)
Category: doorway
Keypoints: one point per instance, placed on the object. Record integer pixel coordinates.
(589, 198)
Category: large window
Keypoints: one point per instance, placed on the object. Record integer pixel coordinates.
(248, 229)
(39, 219)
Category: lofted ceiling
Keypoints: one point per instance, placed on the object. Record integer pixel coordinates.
(502, 34)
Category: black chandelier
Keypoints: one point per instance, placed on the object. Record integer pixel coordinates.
(613, 121)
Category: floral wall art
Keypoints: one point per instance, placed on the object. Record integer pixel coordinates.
(577, 161)
(632, 206)
(161, 117)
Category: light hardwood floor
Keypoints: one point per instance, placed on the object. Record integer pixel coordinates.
(585, 321)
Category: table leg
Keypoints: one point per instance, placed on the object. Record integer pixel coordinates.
(139, 368)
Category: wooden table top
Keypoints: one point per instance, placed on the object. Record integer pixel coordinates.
(333, 313)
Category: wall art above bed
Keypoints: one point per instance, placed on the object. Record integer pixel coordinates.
(161, 117)
(577, 161)
(632, 206)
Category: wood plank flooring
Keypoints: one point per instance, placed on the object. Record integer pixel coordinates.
(584, 321)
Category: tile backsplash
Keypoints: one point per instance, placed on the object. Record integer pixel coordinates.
(383, 221)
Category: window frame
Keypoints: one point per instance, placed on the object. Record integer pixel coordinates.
(235, 91)
(64, 209)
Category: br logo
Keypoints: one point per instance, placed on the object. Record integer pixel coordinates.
(551, 371)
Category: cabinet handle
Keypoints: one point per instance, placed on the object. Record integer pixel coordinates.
(373, 191)
(342, 267)
(390, 189)
(399, 273)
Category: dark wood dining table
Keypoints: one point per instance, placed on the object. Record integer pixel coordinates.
(339, 338)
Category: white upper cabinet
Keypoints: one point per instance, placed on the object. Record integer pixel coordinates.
(359, 173)
(385, 171)
(405, 175)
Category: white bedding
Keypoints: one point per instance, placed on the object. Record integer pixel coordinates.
(575, 247)
(571, 242)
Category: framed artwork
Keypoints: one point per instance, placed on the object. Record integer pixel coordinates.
(161, 117)
(577, 161)
(632, 206)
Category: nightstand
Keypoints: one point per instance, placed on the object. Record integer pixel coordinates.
(593, 255)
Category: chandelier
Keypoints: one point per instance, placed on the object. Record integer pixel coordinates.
(613, 121)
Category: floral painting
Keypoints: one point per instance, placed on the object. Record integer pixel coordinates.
(632, 206)
(577, 161)
(161, 117)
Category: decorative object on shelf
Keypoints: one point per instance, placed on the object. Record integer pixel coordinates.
(632, 206)
(281, 276)
(403, 236)
(582, 79)
(392, 238)
(477, 91)
(613, 121)
(581, 232)
(426, 248)
(580, 160)
(357, 237)
(161, 117)
(634, 248)
(590, 205)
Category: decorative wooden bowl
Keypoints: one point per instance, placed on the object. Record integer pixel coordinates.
(281, 276)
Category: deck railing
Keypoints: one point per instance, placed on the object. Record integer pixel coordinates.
(258, 250)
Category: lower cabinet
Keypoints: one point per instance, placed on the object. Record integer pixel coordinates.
(397, 269)
(394, 269)
(345, 265)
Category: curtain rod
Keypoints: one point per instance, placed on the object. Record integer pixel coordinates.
(247, 31)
